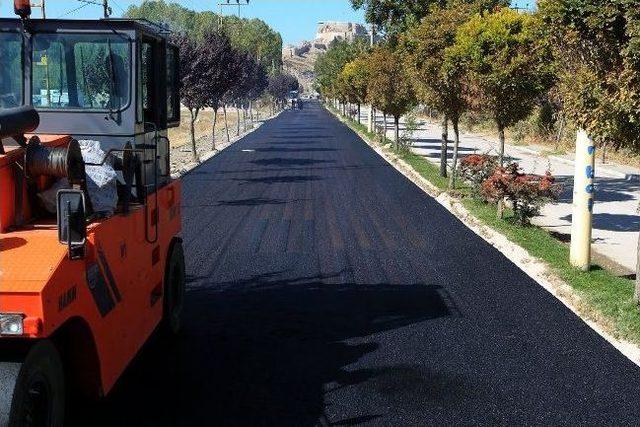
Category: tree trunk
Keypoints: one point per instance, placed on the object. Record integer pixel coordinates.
(604, 153)
(560, 131)
(213, 129)
(226, 123)
(456, 143)
(501, 144)
(192, 132)
(443, 147)
(396, 121)
(237, 120)
(359, 121)
(384, 128)
(501, 159)
(244, 118)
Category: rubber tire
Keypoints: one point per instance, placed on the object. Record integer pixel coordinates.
(41, 365)
(174, 290)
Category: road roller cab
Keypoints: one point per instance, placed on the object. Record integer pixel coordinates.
(90, 261)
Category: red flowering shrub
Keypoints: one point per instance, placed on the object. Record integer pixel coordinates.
(527, 193)
(476, 169)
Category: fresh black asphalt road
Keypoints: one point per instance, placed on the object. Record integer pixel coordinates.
(327, 289)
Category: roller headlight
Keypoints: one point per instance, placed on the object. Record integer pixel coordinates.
(11, 324)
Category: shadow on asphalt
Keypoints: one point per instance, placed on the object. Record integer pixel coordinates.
(258, 352)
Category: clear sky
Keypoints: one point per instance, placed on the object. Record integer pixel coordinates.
(295, 19)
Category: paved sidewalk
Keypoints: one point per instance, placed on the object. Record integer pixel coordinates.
(616, 219)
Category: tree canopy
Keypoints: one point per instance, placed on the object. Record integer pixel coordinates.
(396, 16)
(253, 36)
(506, 66)
(330, 64)
(597, 50)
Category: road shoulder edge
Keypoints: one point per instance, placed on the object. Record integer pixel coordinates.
(191, 166)
(533, 267)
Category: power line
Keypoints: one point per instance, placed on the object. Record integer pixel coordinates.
(104, 3)
(73, 10)
(119, 7)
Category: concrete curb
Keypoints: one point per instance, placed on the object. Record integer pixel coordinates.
(531, 266)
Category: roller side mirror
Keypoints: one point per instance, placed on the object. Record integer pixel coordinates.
(72, 222)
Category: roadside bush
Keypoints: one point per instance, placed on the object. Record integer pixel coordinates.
(526, 193)
(476, 169)
(410, 128)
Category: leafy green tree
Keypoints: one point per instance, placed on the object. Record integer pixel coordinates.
(255, 37)
(252, 36)
(437, 77)
(597, 50)
(389, 89)
(355, 80)
(506, 66)
(395, 16)
(330, 64)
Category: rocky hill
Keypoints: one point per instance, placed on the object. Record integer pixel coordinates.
(300, 59)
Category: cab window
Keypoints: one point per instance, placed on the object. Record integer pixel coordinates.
(80, 71)
(173, 95)
(147, 83)
(11, 90)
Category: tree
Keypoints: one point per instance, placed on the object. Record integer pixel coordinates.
(221, 75)
(395, 16)
(219, 41)
(437, 77)
(260, 82)
(280, 86)
(253, 36)
(389, 89)
(507, 68)
(355, 79)
(256, 38)
(329, 65)
(597, 50)
(193, 82)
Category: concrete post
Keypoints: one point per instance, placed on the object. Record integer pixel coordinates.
(583, 191)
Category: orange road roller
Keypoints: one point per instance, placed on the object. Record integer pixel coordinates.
(91, 264)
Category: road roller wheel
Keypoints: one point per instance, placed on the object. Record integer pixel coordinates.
(32, 392)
